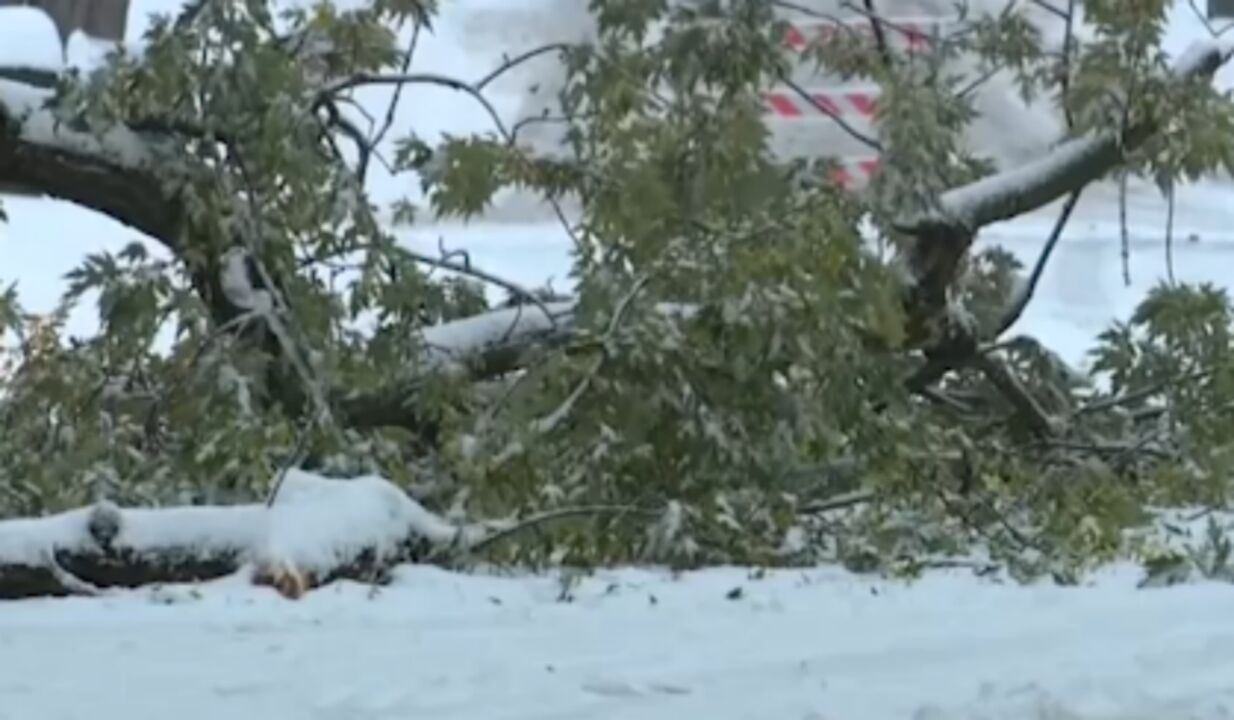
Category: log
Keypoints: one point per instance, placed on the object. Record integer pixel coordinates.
(317, 530)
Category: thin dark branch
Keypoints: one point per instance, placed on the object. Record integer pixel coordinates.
(364, 79)
(838, 502)
(1169, 233)
(1068, 51)
(1143, 393)
(466, 268)
(388, 122)
(539, 519)
(1050, 8)
(1123, 230)
(1002, 378)
(888, 23)
(880, 37)
(977, 82)
(1203, 18)
(513, 62)
(844, 125)
(1025, 295)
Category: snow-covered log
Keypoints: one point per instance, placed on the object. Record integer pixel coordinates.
(317, 530)
(483, 346)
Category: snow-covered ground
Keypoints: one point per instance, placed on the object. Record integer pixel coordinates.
(633, 644)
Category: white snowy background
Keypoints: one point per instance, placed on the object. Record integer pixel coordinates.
(634, 644)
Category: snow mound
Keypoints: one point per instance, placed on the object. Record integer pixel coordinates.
(29, 40)
(318, 525)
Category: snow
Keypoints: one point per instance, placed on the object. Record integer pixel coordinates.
(317, 525)
(446, 342)
(27, 540)
(634, 644)
(30, 39)
(24, 104)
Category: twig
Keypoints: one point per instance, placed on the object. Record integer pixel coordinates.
(1141, 394)
(1124, 231)
(398, 92)
(466, 268)
(947, 401)
(550, 422)
(517, 60)
(1203, 18)
(838, 502)
(1068, 49)
(978, 81)
(296, 457)
(886, 23)
(363, 79)
(539, 519)
(880, 37)
(1050, 8)
(1169, 233)
(68, 580)
(1013, 313)
(834, 116)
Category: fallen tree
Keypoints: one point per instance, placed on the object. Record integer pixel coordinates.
(735, 351)
(314, 531)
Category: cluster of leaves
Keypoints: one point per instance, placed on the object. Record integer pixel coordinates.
(735, 359)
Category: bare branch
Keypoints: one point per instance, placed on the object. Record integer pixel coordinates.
(1068, 51)
(466, 268)
(446, 81)
(1203, 18)
(398, 94)
(880, 38)
(1022, 298)
(1169, 232)
(1051, 8)
(505, 531)
(1124, 232)
(832, 114)
(511, 63)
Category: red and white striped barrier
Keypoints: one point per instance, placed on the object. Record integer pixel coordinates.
(855, 173)
(822, 103)
(912, 34)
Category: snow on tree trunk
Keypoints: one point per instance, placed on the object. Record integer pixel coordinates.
(317, 530)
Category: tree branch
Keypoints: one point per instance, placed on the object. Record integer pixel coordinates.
(940, 237)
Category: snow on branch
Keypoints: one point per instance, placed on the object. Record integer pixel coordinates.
(110, 172)
(26, 109)
(1069, 166)
(498, 332)
(316, 530)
